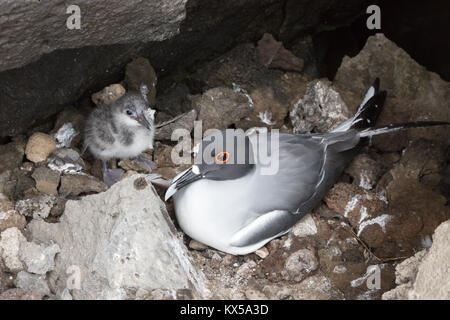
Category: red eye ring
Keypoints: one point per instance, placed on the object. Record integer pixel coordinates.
(224, 160)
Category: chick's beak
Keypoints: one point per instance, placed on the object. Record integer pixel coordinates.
(143, 121)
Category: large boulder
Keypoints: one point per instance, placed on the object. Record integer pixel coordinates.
(414, 93)
(116, 243)
(112, 35)
(427, 274)
(33, 28)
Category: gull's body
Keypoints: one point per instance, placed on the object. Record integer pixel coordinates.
(236, 208)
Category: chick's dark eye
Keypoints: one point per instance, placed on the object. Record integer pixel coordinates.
(129, 112)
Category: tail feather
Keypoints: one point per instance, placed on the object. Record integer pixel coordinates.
(368, 111)
(369, 132)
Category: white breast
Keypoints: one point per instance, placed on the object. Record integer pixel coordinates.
(207, 216)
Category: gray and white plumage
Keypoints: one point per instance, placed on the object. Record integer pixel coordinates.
(121, 129)
(236, 209)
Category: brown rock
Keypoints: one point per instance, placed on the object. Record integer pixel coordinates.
(183, 121)
(299, 265)
(354, 202)
(422, 160)
(11, 155)
(195, 245)
(134, 165)
(364, 170)
(140, 71)
(163, 155)
(39, 147)
(76, 184)
(10, 218)
(273, 54)
(268, 109)
(108, 94)
(47, 180)
(408, 85)
(19, 294)
(220, 107)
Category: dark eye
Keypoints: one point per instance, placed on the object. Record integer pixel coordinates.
(222, 157)
(129, 112)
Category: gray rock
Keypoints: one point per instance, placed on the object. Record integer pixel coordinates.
(425, 276)
(75, 184)
(30, 25)
(305, 227)
(123, 239)
(32, 282)
(408, 85)
(66, 160)
(299, 265)
(38, 259)
(37, 207)
(320, 110)
(19, 294)
(10, 242)
(210, 28)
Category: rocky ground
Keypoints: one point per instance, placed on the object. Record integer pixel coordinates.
(65, 235)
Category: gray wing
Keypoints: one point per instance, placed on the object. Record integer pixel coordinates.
(308, 166)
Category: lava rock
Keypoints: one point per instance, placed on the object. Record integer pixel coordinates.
(262, 252)
(140, 71)
(408, 85)
(19, 294)
(320, 110)
(39, 147)
(423, 160)
(38, 258)
(299, 265)
(239, 69)
(47, 180)
(354, 203)
(76, 184)
(273, 54)
(11, 155)
(305, 227)
(9, 217)
(32, 282)
(37, 207)
(422, 276)
(184, 121)
(108, 94)
(65, 135)
(218, 108)
(195, 245)
(173, 102)
(10, 241)
(66, 160)
(365, 171)
(267, 108)
(112, 242)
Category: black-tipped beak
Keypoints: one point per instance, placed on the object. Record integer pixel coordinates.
(183, 179)
(143, 121)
